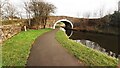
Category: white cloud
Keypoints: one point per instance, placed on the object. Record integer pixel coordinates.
(73, 7)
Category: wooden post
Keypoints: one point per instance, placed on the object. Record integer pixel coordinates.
(25, 28)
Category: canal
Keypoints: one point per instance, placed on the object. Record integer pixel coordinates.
(103, 42)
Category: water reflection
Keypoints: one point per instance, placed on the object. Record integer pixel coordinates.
(67, 31)
(96, 46)
(105, 43)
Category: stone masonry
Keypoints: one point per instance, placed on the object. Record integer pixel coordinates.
(7, 31)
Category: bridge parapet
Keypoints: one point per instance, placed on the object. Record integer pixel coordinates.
(79, 23)
(53, 19)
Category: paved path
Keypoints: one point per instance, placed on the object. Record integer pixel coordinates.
(46, 51)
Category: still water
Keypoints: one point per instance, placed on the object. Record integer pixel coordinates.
(103, 42)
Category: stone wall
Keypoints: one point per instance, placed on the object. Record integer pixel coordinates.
(53, 19)
(7, 31)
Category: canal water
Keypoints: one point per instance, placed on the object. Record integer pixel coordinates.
(103, 42)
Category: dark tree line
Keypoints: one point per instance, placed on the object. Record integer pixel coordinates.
(115, 19)
(111, 20)
(110, 23)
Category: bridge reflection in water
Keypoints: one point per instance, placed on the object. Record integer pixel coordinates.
(105, 43)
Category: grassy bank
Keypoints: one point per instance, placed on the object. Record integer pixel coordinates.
(86, 55)
(15, 51)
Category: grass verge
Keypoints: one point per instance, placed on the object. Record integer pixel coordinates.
(87, 55)
(15, 51)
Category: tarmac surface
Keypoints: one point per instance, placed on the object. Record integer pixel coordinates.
(47, 51)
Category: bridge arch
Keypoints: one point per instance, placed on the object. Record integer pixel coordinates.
(63, 20)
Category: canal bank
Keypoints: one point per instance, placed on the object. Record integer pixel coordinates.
(87, 55)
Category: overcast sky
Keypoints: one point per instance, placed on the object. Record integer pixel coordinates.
(77, 8)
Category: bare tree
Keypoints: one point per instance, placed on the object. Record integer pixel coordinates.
(101, 12)
(19, 14)
(48, 8)
(95, 14)
(10, 11)
(2, 3)
(86, 15)
(1, 6)
(41, 10)
(107, 17)
(36, 7)
(28, 12)
(0, 12)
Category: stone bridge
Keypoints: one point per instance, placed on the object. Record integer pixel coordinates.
(68, 21)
